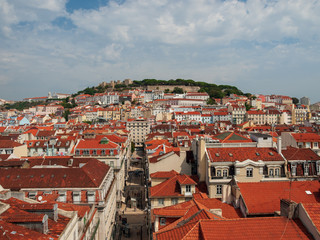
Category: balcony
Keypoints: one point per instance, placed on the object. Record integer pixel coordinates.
(275, 176)
(220, 177)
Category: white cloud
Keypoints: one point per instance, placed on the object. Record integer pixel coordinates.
(209, 40)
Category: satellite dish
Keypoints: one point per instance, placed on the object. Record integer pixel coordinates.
(39, 198)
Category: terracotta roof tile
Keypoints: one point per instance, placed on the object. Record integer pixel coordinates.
(264, 197)
(90, 175)
(243, 153)
(307, 154)
(306, 137)
(313, 210)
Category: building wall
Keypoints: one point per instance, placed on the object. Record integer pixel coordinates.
(288, 140)
(241, 175)
(167, 202)
(156, 181)
(173, 162)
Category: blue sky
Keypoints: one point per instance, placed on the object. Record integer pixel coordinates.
(260, 46)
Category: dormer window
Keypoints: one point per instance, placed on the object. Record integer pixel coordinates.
(258, 154)
(76, 197)
(306, 169)
(32, 195)
(188, 188)
(225, 173)
(91, 197)
(293, 169)
(62, 196)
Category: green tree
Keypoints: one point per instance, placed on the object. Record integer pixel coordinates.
(133, 146)
(167, 90)
(177, 90)
(248, 106)
(66, 114)
(210, 101)
(295, 100)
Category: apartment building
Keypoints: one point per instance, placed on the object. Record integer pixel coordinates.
(139, 129)
(90, 184)
(238, 113)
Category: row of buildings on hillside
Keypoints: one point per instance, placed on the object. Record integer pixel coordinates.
(241, 167)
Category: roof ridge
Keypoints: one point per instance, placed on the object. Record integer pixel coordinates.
(164, 184)
(197, 224)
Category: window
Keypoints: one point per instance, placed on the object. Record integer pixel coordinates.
(271, 172)
(277, 172)
(160, 201)
(32, 195)
(219, 189)
(86, 152)
(218, 173)
(174, 201)
(111, 152)
(249, 172)
(293, 170)
(76, 197)
(62, 196)
(188, 188)
(225, 173)
(91, 197)
(103, 152)
(162, 221)
(306, 169)
(94, 152)
(111, 164)
(315, 145)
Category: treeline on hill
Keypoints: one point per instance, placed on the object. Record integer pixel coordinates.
(22, 105)
(216, 91)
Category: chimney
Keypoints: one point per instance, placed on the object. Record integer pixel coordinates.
(287, 208)
(279, 145)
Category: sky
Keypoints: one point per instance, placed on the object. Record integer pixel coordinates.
(260, 46)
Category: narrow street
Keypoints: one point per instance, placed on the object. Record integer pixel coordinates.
(132, 220)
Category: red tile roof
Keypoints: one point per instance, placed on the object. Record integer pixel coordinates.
(306, 137)
(243, 153)
(264, 197)
(307, 154)
(95, 144)
(90, 175)
(16, 232)
(171, 187)
(9, 144)
(164, 174)
(313, 210)
(246, 228)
